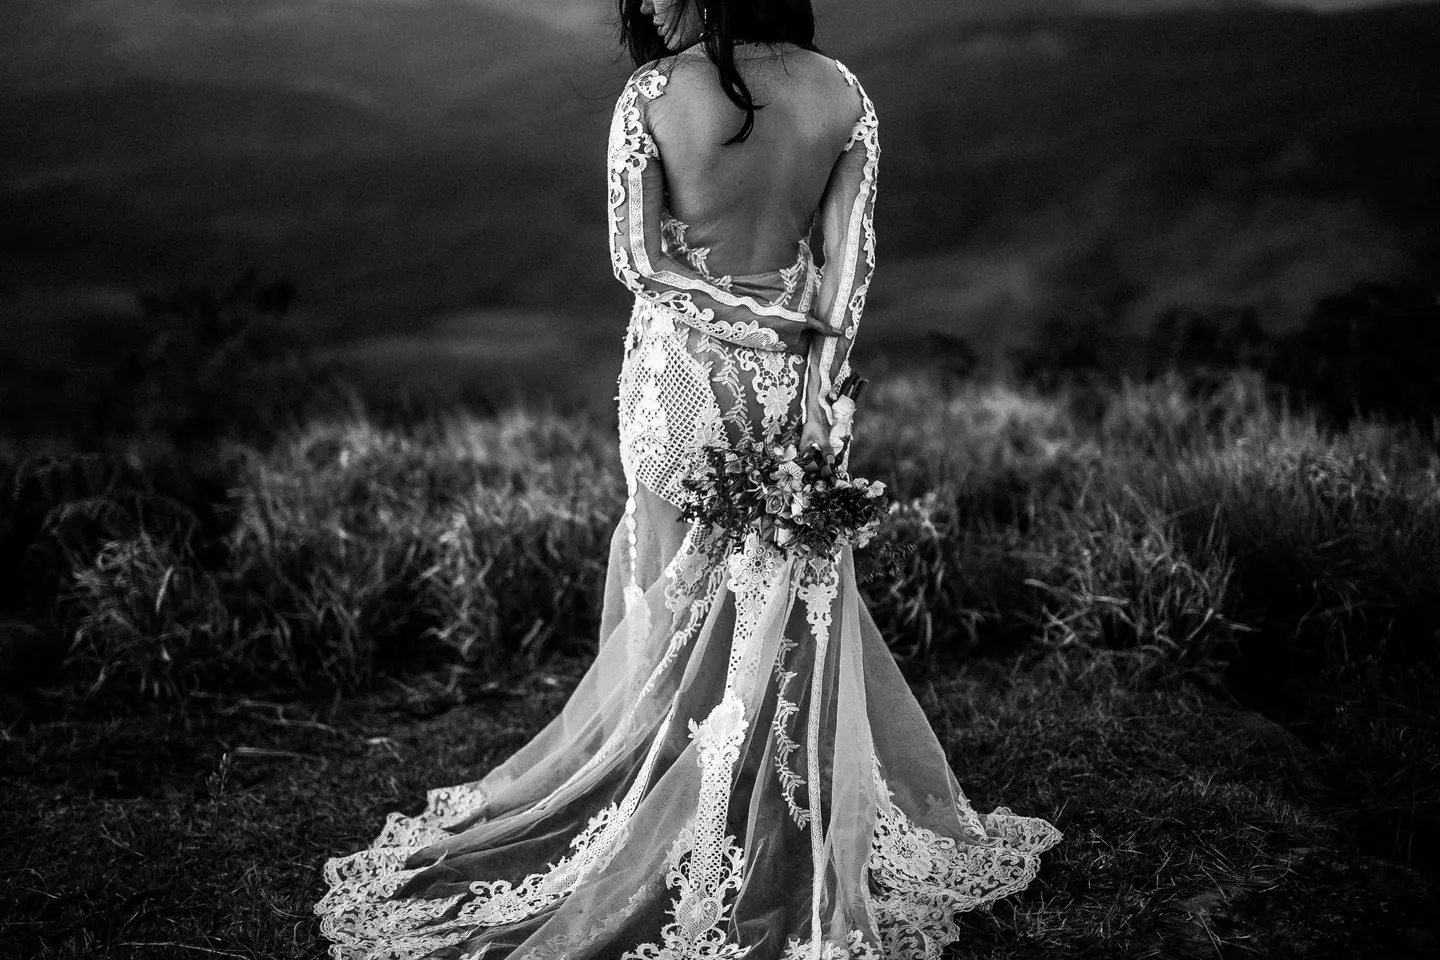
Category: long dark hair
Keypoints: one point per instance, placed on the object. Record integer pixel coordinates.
(762, 21)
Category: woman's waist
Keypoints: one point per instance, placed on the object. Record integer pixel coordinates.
(679, 319)
(792, 287)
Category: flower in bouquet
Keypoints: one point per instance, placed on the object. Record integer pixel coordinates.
(806, 505)
(803, 503)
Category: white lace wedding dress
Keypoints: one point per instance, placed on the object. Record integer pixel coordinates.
(743, 770)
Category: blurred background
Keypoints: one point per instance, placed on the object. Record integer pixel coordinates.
(411, 190)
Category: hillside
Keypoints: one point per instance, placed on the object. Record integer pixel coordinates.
(413, 164)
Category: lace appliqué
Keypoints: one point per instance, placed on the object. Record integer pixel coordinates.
(689, 570)
(818, 595)
(673, 231)
(803, 267)
(636, 612)
(500, 902)
(706, 864)
(691, 587)
(784, 745)
(357, 914)
(856, 947)
(562, 947)
(667, 408)
(699, 912)
(859, 235)
(726, 376)
(776, 382)
(924, 879)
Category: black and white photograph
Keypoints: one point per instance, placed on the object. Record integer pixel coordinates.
(719, 479)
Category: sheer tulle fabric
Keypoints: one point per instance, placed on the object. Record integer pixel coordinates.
(649, 819)
(742, 771)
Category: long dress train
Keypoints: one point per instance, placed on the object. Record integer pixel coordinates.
(743, 770)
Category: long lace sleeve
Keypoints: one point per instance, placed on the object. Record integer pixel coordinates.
(637, 192)
(846, 215)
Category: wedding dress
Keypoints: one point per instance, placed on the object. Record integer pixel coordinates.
(743, 771)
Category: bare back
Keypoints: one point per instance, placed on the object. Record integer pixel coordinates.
(751, 202)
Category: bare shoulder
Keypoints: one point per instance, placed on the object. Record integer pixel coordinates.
(849, 90)
(688, 73)
(835, 84)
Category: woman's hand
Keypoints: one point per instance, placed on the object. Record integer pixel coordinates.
(799, 341)
(816, 433)
(816, 325)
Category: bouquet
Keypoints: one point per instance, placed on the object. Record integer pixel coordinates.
(803, 503)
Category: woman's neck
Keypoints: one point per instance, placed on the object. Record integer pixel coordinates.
(768, 46)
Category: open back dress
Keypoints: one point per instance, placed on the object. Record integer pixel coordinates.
(743, 771)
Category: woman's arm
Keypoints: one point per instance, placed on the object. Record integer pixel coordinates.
(847, 210)
(637, 191)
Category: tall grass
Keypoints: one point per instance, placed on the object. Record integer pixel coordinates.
(349, 552)
(1168, 521)
(1190, 533)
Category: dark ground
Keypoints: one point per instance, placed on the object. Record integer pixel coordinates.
(1192, 828)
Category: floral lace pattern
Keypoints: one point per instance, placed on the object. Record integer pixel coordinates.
(700, 911)
(817, 595)
(562, 947)
(706, 864)
(667, 414)
(925, 878)
(672, 231)
(357, 914)
(785, 744)
(498, 902)
(856, 947)
(851, 276)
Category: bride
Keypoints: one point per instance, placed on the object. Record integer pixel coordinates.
(743, 771)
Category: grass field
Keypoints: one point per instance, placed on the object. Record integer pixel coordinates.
(1193, 630)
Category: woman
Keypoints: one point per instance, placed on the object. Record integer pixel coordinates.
(743, 771)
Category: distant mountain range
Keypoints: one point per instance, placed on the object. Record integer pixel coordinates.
(411, 161)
